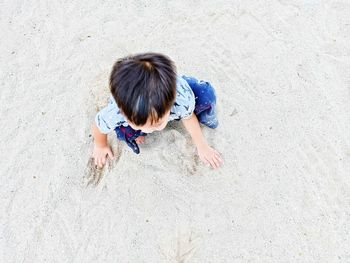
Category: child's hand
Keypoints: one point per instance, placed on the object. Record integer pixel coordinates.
(100, 155)
(209, 156)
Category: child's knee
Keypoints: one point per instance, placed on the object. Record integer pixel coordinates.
(210, 121)
(212, 124)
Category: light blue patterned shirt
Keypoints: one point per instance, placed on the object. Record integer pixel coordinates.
(110, 116)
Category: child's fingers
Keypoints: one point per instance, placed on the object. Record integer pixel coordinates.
(205, 161)
(110, 154)
(218, 159)
(99, 163)
(212, 163)
(218, 156)
(216, 162)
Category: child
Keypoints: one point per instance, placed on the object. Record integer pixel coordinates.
(146, 94)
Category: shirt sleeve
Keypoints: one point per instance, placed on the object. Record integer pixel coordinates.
(108, 118)
(185, 100)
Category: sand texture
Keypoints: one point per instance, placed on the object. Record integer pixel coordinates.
(282, 74)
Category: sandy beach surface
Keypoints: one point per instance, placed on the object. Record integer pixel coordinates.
(282, 74)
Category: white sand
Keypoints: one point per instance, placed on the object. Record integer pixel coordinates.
(282, 74)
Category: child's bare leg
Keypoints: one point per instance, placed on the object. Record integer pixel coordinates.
(140, 140)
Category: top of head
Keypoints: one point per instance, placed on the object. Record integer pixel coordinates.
(144, 86)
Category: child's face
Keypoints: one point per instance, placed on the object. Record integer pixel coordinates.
(149, 128)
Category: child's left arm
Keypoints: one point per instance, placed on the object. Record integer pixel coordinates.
(206, 153)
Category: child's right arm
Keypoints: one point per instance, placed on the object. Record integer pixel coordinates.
(106, 120)
(101, 147)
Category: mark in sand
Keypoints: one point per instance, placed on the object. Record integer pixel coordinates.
(94, 174)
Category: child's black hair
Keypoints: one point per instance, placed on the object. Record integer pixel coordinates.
(144, 86)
